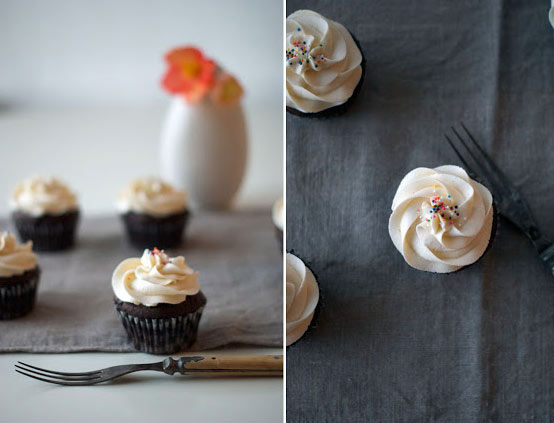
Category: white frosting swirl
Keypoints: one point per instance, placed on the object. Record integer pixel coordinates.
(441, 219)
(15, 259)
(151, 196)
(302, 298)
(278, 214)
(43, 195)
(323, 62)
(154, 278)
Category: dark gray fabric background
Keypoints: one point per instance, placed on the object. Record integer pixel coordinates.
(240, 272)
(390, 343)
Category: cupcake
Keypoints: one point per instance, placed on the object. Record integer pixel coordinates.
(278, 215)
(19, 275)
(159, 301)
(441, 219)
(302, 298)
(154, 213)
(324, 66)
(45, 211)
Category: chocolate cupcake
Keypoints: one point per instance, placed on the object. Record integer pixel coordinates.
(19, 276)
(441, 219)
(159, 301)
(154, 213)
(324, 65)
(45, 211)
(278, 216)
(302, 298)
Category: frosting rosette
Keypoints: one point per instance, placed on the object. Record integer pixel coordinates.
(151, 196)
(15, 258)
(278, 214)
(441, 219)
(302, 297)
(153, 279)
(38, 196)
(323, 63)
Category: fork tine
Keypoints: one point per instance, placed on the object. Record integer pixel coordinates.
(57, 377)
(483, 152)
(58, 373)
(464, 162)
(59, 382)
(491, 177)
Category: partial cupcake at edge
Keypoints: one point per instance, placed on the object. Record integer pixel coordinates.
(153, 212)
(45, 211)
(19, 277)
(324, 65)
(442, 220)
(278, 217)
(159, 301)
(302, 298)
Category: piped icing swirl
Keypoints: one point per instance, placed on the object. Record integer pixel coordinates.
(15, 258)
(38, 196)
(323, 63)
(441, 219)
(154, 278)
(151, 196)
(302, 297)
(278, 214)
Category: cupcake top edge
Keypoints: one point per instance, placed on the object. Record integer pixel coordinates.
(39, 195)
(302, 297)
(15, 258)
(441, 219)
(151, 196)
(323, 62)
(154, 278)
(278, 214)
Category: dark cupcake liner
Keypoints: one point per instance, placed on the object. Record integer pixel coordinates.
(48, 232)
(18, 293)
(279, 236)
(145, 231)
(341, 108)
(161, 335)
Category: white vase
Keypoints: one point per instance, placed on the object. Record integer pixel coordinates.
(203, 151)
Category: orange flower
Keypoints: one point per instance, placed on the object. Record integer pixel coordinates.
(227, 90)
(189, 73)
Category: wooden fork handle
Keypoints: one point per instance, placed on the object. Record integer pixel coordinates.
(228, 365)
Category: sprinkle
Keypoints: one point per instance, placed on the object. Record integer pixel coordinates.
(298, 29)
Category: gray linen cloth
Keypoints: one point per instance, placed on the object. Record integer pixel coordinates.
(390, 343)
(240, 272)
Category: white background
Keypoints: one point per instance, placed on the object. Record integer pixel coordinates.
(80, 93)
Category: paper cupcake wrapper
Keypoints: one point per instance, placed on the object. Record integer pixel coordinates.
(18, 299)
(50, 233)
(162, 336)
(279, 237)
(149, 232)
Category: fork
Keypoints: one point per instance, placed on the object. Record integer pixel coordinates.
(223, 365)
(510, 203)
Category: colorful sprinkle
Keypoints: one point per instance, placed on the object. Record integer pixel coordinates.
(439, 209)
(300, 54)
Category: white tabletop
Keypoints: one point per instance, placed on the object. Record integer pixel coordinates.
(139, 397)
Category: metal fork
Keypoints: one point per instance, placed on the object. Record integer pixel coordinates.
(510, 203)
(223, 365)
